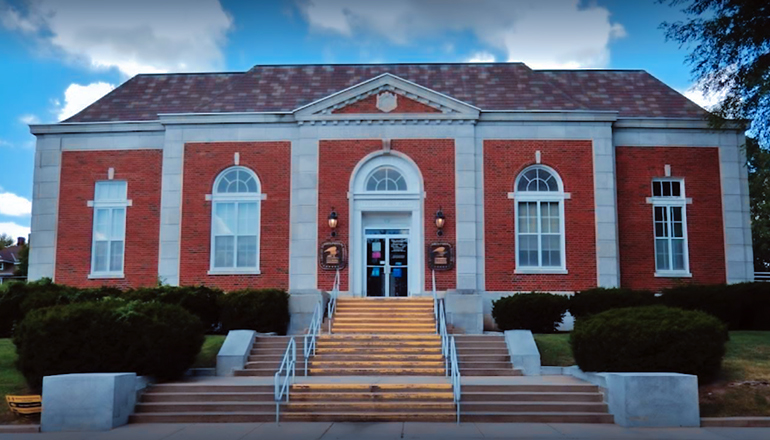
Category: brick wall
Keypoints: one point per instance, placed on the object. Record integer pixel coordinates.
(80, 170)
(503, 161)
(636, 167)
(203, 162)
(403, 105)
(434, 157)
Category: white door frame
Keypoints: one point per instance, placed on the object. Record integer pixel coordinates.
(386, 252)
(408, 202)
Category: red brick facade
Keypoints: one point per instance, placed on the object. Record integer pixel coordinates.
(434, 158)
(403, 105)
(203, 162)
(80, 170)
(636, 167)
(503, 161)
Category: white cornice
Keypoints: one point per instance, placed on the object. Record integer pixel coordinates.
(684, 123)
(96, 127)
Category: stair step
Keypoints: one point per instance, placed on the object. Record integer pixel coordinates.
(376, 396)
(151, 397)
(375, 371)
(360, 407)
(336, 357)
(535, 407)
(255, 417)
(524, 417)
(487, 372)
(448, 416)
(370, 388)
(315, 363)
(552, 388)
(208, 388)
(468, 397)
(205, 407)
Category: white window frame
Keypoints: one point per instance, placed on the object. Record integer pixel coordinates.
(110, 205)
(236, 198)
(540, 196)
(667, 202)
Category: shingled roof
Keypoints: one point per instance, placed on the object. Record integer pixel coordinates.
(489, 86)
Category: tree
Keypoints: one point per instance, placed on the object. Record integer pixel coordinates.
(759, 191)
(5, 241)
(731, 55)
(23, 266)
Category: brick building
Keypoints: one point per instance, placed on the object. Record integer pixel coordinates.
(503, 178)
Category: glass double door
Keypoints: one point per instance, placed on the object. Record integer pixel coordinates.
(387, 262)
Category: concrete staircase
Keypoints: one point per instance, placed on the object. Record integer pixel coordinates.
(384, 316)
(484, 355)
(267, 353)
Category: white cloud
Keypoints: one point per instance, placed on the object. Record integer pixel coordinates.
(708, 101)
(140, 36)
(29, 119)
(13, 205)
(542, 33)
(78, 97)
(14, 229)
(482, 57)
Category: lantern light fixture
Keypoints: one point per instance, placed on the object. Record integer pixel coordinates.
(440, 221)
(333, 221)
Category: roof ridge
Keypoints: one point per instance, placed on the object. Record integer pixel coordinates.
(564, 92)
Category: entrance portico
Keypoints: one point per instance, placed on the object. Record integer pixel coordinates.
(386, 226)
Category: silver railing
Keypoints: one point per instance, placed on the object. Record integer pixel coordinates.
(454, 373)
(312, 333)
(762, 276)
(284, 377)
(435, 300)
(443, 333)
(332, 304)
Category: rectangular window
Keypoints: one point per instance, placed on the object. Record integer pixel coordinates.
(670, 227)
(109, 231)
(539, 235)
(235, 235)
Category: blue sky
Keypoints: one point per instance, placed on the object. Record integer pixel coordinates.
(57, 56)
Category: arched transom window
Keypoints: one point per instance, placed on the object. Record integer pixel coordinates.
(386, 179)
(235, 221)
(539, 212)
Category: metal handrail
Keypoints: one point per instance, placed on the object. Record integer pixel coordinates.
(312, 334)
(331, 306)
(435, 300)
(455, 375)
(289, 363)
(762, 276)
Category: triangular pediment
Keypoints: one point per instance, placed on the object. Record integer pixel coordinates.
(386, 97)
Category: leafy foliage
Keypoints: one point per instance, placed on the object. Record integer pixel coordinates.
(538, 312)
(201, 301)
(731, 54)
(5, 241)
(23, 267)
(650, 339)
(599, 299)
(744, 306)
(265, 310)
(159, 340)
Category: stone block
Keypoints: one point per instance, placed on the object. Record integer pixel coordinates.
(661, 400)
(87, 402)
(524, 353)
(301, 307)
(235, 351)
(465, 311)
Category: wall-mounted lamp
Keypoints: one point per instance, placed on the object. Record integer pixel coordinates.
(440, 221)
(333, 220)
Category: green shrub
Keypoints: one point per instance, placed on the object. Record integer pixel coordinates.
(650, 339)
(15, 293)
(58, 295)
(203, 302)
(538, 312)
(113, 335)
(597, 300)
(265, 310)
(744, 306)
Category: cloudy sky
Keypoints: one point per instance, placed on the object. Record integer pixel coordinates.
(58, 56)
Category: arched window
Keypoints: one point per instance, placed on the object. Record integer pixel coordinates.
(539, 211)
(235, 219)
(386, 179)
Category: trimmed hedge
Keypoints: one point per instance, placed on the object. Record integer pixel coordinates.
(265, 310)
(650, 339)
(599, 299)
(538, 312)
(744, 306)
(113, 335)
(15, 293)
(201, 301)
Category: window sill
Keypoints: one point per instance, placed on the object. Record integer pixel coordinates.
(534, 271)
(106, 276)
(234, 272)
(673, 275)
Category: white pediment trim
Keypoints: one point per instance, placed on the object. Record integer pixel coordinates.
(323, 109)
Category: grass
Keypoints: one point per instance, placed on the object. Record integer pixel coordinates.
(207, 358)
(11, 381)
(554, 350)
(744, 389)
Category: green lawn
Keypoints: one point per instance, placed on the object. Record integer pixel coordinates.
(554, 350)
(207, 358)
(11, 381)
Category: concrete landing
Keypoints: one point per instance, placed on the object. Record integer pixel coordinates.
(394, 431)
(470, 380)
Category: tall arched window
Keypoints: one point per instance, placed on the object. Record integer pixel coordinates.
(235, 219)
(539, 210)
(386, 179)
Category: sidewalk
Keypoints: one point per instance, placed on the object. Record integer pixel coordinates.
(388, 431)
